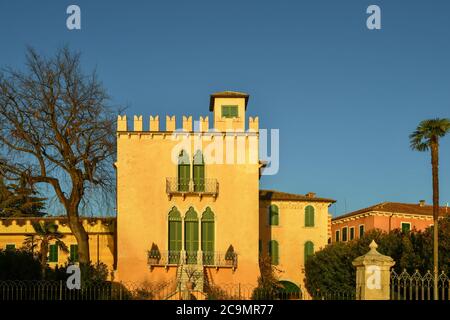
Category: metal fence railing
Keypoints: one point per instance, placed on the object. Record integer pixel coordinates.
(205, 258)
(57, 290)
(415, 286)
(207, 186)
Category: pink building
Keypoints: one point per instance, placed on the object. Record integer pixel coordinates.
(386, 216)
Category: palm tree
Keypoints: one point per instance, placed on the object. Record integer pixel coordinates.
(46, 232)
(426, 137)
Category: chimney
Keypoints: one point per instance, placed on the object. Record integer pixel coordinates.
(422, 203)
(311, 194)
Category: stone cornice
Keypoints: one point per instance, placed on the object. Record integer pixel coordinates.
(338, 220)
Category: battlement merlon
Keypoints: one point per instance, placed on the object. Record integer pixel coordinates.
(187, 125)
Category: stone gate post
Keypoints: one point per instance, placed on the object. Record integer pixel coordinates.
(373, 274)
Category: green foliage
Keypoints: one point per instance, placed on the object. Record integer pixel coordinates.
(16, 200)
(428, 130)
(268, 283)
(19, 265)
(331, 269)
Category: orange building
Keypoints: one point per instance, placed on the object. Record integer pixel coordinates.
(385, 216)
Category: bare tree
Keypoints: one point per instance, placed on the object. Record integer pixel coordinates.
(57, 129)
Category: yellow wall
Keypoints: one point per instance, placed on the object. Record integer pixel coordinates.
(101, 237)
(144, 161)
(291, 234)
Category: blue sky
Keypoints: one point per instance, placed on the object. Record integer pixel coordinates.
(343, 97)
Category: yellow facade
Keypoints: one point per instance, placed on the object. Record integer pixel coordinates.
(292, 232)
(145, 195)
(219, 205)
(101, 231)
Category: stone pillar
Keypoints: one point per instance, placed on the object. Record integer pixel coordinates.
(373, 274)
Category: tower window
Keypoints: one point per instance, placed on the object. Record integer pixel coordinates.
(229, 111)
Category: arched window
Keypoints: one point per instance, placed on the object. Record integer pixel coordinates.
(309, 249)
(184, 171)
(309, 216)
(273, 215)
(273, 252)
(208, 237)
(174, 236)
(199, 172)
(191, 236)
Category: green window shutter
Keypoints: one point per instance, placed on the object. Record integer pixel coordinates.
(53, 253)
(183, 177)
(208, 237)
(225, 113)
(273, 252)
(337, 236)
(174, 236)
(230, 111)
(10, 247)
(74, 252)
(233, 111)
(406, 227)
(309, 250)
(191, 236)
(309, 216)
(273, 215)
(199, 177)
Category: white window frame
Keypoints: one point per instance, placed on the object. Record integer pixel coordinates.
(347, 235)
(359, 230)
(404, 222)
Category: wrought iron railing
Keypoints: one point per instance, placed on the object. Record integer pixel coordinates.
(44, 290)
(207, 186)
(415, 286)
(206, 258)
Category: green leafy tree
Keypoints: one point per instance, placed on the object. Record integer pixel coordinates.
(426, 137)
(330, 269)
(19, 264)
(45, 233)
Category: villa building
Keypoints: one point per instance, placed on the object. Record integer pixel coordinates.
(188, 197)
(385, 216)
(101, 231)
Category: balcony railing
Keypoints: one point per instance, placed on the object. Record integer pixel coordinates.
(190, 186)
(207, 258)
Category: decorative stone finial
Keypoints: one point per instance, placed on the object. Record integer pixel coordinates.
(373, 246)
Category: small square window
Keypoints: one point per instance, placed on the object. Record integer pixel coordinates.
(10, 247)
(229, 111)
(406, 226)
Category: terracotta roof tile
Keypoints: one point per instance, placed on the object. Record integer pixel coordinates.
(278, 195)
(398, 207)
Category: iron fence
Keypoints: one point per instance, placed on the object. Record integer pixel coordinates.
(57, 290)
(415, 286)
